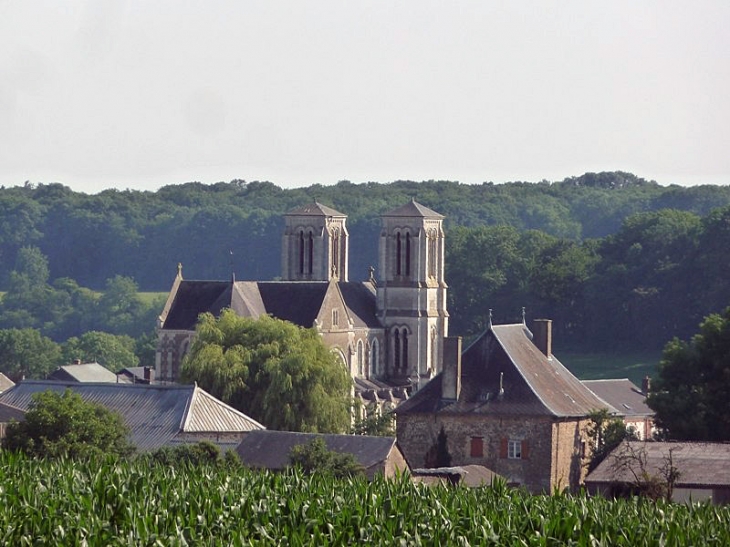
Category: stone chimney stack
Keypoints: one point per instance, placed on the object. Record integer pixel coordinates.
(451, 379)
(543, 336)
(149, 375)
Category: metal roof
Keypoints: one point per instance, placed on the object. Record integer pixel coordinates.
(155, 414)
(83, 372)
(699, 464)
(270, 449)
(9, 412)
(622, 394)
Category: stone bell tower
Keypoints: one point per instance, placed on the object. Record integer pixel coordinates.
(411, 292)
(315, 244)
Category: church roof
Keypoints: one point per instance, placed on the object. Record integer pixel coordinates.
(155, 414)
(413, 209)
(504, 373)
(296, 301)
(315, 209)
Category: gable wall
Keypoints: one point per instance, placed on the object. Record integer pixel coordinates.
(570, 451)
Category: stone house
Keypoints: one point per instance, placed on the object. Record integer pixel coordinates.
(387, 332)
(270, 450)
(508, 404)
(629, 401)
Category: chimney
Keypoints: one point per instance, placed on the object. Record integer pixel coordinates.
(149, 375)
(451, 377)
(77, 361)
(543, 336)
(646, 385)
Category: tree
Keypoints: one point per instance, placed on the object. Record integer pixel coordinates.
(315, 457)
(691, 396)
(276, 372)
(26, 353)
(113, 351)
(606, 432)
(64, 425)
(652, 481)
(438, 455)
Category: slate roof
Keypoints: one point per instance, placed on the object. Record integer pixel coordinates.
(314, 209)
(84, 372)
(155, 414)
(622, 394)
(296, 301)
(699, 464)
(413, 209)
(468, 475)
(533, 385)
(266, 449)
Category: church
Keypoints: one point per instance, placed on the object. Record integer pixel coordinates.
(388, 331)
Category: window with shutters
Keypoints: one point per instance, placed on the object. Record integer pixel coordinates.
(477, 447)
(514, 449)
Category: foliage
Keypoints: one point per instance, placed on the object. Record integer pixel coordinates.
(278, 373)
(131, 503)
(114, 352)
(691, 396)
(655, 484)
(200, 453)
(64, 425)
(374, 423)
(438, 455)
(315, 457)
(605, 432)
(26, 353)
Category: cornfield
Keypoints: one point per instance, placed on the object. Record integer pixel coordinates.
(129, 503)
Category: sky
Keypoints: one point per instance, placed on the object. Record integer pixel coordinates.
(141, 94)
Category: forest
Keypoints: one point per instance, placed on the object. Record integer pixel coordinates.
(618, 262)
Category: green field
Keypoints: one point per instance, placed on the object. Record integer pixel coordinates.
(150, 297)
(133, 503)
(634, 366)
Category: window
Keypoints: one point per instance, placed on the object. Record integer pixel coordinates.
(514, 449)
(397, 254)
(408, 254)
(374, 349)
(310, 251)
(360, 358)
(477, 447)
(301, 251)
(335, 318)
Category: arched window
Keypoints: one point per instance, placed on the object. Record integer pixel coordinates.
(396, 349)
(335, 253)
(374, 351)
(408, 254)
(310, 251)
(301, 252)
(404, 364)
(397, 254)
(360, 358)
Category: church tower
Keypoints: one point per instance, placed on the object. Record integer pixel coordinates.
(411, 292)
(315, 244)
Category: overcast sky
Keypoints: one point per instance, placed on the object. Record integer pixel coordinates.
(141, 94)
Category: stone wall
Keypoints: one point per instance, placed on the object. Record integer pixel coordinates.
(545, 455)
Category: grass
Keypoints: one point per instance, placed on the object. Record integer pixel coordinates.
(591, 366)
(150, 297)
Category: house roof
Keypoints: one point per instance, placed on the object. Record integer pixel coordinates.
(505, 358)
(413, 209)
(468, 475)
(155, 414)
(622, 394)
(5, 382)
(9, 412)
(83, 372)
(699, 464)
(296, 301)
(270, 449)
(314, 209)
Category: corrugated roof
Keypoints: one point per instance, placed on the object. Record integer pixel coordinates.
(413, 209)
(622, 394)
(699, 464)
(155, 414)
(270, 449)
(83, 372)
(314, 209)
(532, 385)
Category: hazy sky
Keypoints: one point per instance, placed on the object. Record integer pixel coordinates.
(140, 94)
